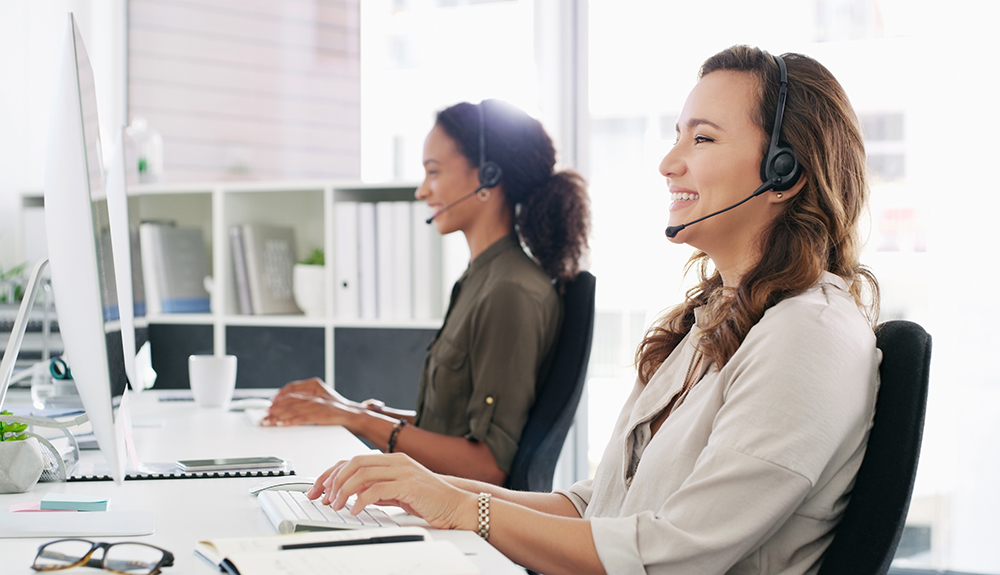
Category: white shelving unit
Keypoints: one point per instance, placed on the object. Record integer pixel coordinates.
(307, 206)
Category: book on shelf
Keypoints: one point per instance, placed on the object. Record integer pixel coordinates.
(106, 272)
(174, 267)
(138, 285)
(347, 292)
(349, 552)
(241, 280)
(367, 267)
(269, 255)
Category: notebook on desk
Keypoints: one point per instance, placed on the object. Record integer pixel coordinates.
(169, 470)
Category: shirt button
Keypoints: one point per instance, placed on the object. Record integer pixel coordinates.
(489, 400)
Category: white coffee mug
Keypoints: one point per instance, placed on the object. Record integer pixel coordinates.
(213, 378)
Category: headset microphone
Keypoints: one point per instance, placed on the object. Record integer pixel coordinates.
(453, 204)
(779, 170)
(674, 230)
(490, 173)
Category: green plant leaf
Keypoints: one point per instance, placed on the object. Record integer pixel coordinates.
(316, 258)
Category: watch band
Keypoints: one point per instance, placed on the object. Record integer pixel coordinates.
(484, 516)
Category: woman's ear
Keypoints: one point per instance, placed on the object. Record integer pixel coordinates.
(785, 195)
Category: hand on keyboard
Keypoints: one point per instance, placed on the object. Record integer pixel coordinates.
(395, 479)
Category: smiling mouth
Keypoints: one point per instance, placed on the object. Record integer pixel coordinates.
(683, 196)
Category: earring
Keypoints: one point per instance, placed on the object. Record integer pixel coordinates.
(780, 195)
(484, 195)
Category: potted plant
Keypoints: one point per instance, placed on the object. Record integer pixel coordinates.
(309, 284)
(20, 457)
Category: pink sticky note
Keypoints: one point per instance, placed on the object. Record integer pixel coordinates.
(35, 506)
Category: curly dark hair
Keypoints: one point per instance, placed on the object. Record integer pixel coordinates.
(816, 232)
(551, 209)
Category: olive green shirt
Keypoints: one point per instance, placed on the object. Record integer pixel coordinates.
(480, 372)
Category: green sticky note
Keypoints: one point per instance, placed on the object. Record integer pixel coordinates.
(75, 502)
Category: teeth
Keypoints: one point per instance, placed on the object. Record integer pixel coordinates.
(683, 196)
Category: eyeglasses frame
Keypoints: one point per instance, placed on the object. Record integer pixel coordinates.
(86, 561)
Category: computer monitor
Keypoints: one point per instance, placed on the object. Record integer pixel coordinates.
(81, 254)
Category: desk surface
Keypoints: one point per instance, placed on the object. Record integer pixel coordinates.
(190, 510)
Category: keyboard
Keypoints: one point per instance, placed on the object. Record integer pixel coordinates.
(291, 511)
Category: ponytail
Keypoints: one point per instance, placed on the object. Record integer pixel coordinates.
(553, 222)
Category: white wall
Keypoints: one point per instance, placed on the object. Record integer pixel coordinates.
(31, 34)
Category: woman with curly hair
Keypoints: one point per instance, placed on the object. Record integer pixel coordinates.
(739, 444)
(490, 174)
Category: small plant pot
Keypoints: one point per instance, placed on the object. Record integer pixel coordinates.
(20, 465)
(309, 289)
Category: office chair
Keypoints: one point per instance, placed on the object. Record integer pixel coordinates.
(559, 394)
(866, 538)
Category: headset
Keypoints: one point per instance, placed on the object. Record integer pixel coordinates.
(780, 166)
(490, 173)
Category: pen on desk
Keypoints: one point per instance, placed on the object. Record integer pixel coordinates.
(371, 540)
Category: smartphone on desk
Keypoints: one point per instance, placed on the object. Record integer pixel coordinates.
(230, 463)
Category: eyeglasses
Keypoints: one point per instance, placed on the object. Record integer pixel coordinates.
(126, 558)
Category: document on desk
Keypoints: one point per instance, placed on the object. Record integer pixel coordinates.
(339, 552)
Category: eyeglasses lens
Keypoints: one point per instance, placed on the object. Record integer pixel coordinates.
(62, 554)
(132, 558)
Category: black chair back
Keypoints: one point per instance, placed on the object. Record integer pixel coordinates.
(559, 395)
(867, 536)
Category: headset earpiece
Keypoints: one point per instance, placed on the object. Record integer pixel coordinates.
(780, 166)
(490, 173)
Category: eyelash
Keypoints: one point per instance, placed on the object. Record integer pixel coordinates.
(697, 140)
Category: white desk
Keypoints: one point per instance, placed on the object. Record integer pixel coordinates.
(189, 510)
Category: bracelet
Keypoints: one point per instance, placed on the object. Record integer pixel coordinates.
(395, 435)
(484, 516)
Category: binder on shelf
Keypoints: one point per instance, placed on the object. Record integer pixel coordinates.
(269, 254)
(106, 271)
(426, 267)
(138, 284)
(347, 292)
(402, 260)
(149, 267)
(242, 280)
(367, 266)
(385, 245)
(174, 265)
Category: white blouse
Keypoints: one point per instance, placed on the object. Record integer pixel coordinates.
(751, 473)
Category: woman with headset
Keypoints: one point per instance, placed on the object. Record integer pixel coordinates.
(738, 446)
(490, 174)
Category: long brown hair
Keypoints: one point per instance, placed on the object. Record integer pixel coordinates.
(551, 208)
(817, 230)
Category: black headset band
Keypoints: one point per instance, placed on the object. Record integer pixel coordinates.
(779, 111)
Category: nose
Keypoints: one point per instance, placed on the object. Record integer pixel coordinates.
(672, 164)
(421, 191)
